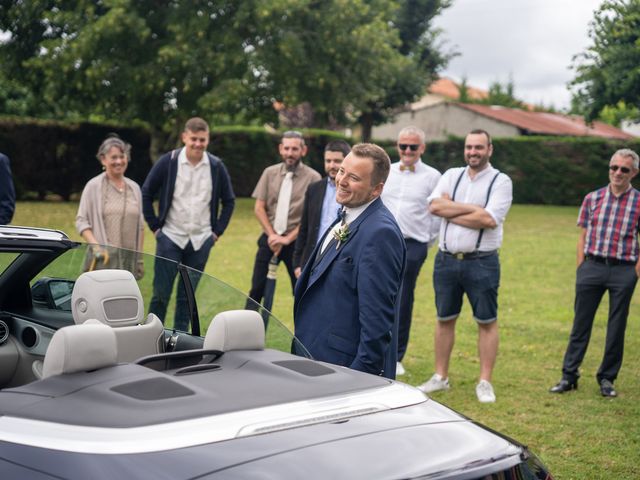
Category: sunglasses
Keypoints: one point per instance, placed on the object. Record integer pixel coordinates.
(614, 168)
(404, 146)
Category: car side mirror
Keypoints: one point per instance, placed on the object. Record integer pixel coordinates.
(53, 293)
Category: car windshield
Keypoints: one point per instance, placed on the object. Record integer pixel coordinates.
(52, 287)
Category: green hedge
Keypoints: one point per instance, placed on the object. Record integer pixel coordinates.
(248, 151)
(544, 170)
(53, 157)
(58, 158)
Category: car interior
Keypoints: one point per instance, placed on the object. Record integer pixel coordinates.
(45, 288)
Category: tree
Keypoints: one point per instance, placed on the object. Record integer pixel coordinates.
(423, 58)
(463, 91)
(138, 60)
(609, 71)
(335, 54)
(498, 94)
(503, 95)
(228, 61)
(616, 114)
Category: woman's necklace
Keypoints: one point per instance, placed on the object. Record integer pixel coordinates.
(118, 184)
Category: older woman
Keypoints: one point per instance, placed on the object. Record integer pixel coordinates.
(110, 212)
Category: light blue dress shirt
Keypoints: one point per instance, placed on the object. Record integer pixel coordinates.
(329, 209)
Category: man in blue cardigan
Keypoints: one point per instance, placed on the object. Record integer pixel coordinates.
(191, 185)
(7, 192)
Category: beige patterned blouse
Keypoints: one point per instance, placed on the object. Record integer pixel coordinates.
(120, 213)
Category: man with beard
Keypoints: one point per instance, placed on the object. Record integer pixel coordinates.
(473, 202)
(279, 196)
(196, 203)
(320, 206)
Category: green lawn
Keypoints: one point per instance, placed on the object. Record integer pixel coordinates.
(578, 435)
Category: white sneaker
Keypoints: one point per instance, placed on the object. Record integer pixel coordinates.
(400, 369)
(484, 391)
(434, 384)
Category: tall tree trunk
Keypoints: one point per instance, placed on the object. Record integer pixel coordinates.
(162, 141)
(366, 124)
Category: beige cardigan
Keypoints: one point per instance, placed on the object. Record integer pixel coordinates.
(90, 210)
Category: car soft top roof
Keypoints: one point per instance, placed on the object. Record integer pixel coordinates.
(251, 392)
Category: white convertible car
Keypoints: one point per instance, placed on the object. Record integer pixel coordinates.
(94, 388)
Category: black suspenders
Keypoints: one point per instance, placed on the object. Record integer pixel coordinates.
(453, 198)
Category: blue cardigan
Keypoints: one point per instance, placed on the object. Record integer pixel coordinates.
(7, 192)
(161, 181)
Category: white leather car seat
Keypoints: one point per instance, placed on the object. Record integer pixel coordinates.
(235, 330)
(113, 297)
(79, 348)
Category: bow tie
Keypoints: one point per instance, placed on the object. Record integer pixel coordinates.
(411, 168)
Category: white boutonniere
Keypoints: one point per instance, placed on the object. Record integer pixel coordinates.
(341, 234)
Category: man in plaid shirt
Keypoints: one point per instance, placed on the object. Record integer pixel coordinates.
(607, 260)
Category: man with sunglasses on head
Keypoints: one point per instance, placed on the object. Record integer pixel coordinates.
(608, 260)
(405, 194)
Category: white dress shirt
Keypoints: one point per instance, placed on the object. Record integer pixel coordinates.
(350, 215)
(189, 217)
(474, 191)
(406, 193)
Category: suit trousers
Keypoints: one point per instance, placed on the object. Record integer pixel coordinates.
(261, 267)
(416, 255)
(592, 281)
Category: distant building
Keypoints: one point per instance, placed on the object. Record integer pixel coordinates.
(632, 128)
(441, 116)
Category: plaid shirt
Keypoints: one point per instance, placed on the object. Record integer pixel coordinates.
(612, 223)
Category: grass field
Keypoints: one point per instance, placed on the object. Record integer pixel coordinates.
(579, 435)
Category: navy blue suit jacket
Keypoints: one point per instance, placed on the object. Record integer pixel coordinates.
(7, 192)
(345, 303)
(161, 182)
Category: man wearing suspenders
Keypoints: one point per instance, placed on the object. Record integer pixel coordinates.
(473, 202)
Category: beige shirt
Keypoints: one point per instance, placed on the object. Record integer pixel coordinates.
(268, 188)
(189, 218)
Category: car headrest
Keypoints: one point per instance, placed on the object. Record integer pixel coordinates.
(110, 296)
(78, 348)
(235, 330)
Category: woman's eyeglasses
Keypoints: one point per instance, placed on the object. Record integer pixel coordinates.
(614, 168)
(404, 146)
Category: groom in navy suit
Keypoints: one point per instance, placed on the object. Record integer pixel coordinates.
(345, 298)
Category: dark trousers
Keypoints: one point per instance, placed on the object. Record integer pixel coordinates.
(261, 266)
(592, 280)
(165, 273)
(416, 255)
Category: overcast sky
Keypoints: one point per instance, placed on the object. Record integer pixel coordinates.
(531, 40)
